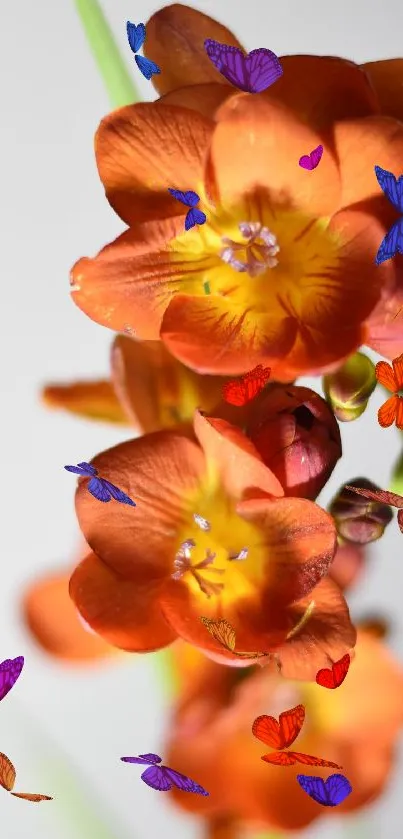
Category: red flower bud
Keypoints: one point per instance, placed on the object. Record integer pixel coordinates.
(358, 519)
(298, 438)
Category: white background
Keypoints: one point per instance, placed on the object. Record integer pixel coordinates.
(53, 211)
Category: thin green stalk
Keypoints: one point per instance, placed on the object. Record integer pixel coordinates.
(396, 482)
(117, 80)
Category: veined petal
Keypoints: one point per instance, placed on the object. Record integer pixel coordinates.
(175, 41)
(386, 78)
(213, 336)
(333, 89)
(204, 98)
(124, 613)
(142, 150)
(158, 471)
(361, 144)
(266, 141)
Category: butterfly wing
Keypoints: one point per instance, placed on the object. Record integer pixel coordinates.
(193, 217)
(148, 758)
(183, 782)
(400, 519)
(392, 243)
(337, 788)
(291, 758)
(98, 490)
(79, 470)
(340, 669)
(189, 198)
(32, 796)
(117, 494)
(263, 68)
(315, 787)
(379, 495)
(7, 772)
(10, 671)
(147, 68)
(241, 391)
(267, 730)
(392, 188)
(316, 156)
(229, 61)
(136, 35)
(90, 470)
(387, 413)
(156, 778)
(385, 375)
(222, 631)
(290, 723)
(305, 162)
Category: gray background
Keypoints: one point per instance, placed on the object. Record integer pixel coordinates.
(53, 211)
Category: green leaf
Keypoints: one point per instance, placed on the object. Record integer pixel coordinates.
(119, 85)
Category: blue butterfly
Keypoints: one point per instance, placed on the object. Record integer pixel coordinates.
(100, 488)
(190, 199)
(136, 36)
(393, 189)
(329, 793)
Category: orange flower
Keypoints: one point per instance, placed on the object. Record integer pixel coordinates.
(155, 570)
(392, 410)
(149, 389)
(355, 726)
(307, 308)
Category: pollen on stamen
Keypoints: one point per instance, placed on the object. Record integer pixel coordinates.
(201, 522)
(260, 249)
(238, 557)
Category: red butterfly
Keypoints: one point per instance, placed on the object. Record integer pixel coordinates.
(281, 734)
(334, 677)
(240, 391)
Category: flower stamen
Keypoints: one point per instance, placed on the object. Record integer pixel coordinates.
(259, 255)
(183, 564)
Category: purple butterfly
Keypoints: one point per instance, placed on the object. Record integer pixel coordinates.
(190, 199)
(253, 72)
(100, 488)
(312, 160)
(392, 243)
(330, 793)
(10, 670)
(136, 36)
(162, 777)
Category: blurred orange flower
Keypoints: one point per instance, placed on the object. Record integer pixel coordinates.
(356, 726)
(149, 389)
(304, 308)
(153, 572)
(392, 378)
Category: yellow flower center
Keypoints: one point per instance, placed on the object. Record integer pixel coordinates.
(254, 255)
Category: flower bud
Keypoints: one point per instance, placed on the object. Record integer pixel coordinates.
(297, 437)
(349, 388)
(358, 519)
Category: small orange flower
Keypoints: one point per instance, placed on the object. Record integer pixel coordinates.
(355, 726)
(181, 553)
(391, 378)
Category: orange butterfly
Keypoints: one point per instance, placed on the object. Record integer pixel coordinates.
(224, 633)
(7, 781)
(392, 379)
(281, 734)
(240, 391)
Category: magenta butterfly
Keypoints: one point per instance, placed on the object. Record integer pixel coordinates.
(162, 777)
(312, 160)
(252, 73)
(10, 671)
(100, 488)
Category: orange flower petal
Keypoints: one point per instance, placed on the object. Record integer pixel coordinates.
(385, 375)
(121, 611)
(266, 141)
(51, 617)
(142, 150)
(209, 335)
(117, 288)
(91, 400)
(204, 98)
(327, 635)
(241, 467)
(399, 413)
(155, 389)
(333, 89)
(175, 41)
(385, 324)
(361, 144)
(387, 79)
(387, 412)
(157, 471)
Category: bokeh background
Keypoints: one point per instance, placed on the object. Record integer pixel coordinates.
(66, 727)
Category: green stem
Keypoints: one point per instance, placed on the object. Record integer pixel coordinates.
(396, 482)
(117, 79)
